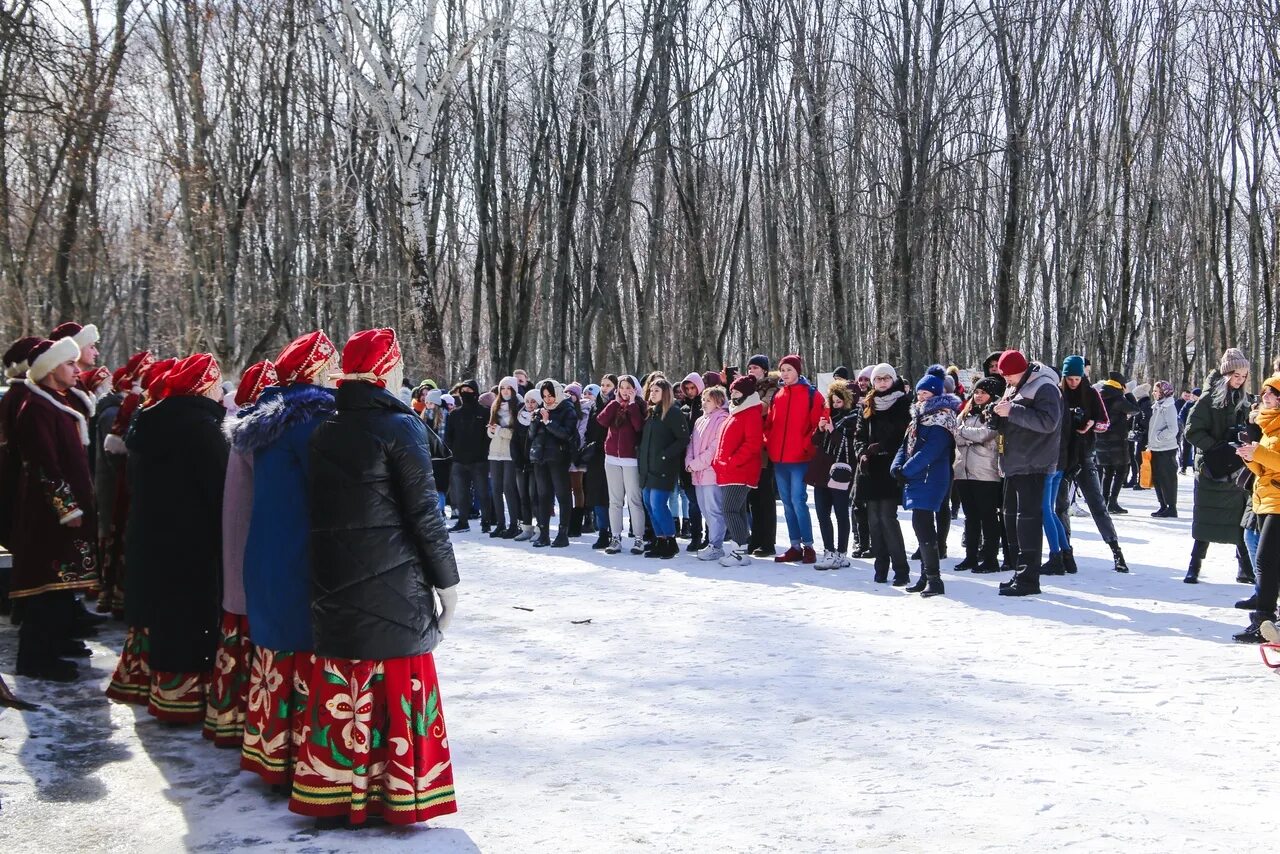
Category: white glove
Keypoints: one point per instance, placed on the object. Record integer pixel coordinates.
(448, 604)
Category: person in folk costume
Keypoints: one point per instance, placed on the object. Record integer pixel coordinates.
(104, 479)
(923, 464)
(86, 338)
(177, 465)
(228, 696)
(54, 524)
(375, 741)
(15, 371)
(115, 458)
(277, 558)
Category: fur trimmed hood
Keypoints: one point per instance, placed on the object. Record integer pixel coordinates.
(278, 409)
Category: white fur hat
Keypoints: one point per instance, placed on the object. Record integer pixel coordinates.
(45, 358)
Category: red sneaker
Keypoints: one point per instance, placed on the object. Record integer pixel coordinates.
(791, 555)
(809, 555)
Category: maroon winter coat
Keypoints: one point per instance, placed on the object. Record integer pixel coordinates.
(624, 423)
(10, 460)
(55, 488)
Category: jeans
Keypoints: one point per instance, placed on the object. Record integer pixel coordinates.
(469, 478)
(553, 482)
(709, 503)
(1054, 530)
(664, 525)
(733, 505)
(886, 536)
(1187, 457)
(764, 513)
(795, 501)
(1086, 478)
(1164, 477)
(1251, 537)
(826, 499)
(502, 474)
(1023, 522)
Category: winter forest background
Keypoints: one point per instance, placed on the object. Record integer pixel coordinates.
(574, 186)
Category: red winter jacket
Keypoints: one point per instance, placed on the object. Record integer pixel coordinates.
(624, 425)
(793, 416)
(737, 458)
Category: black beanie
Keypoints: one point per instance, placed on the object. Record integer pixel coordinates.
(760, 360)
(993, 386)
(841, 373)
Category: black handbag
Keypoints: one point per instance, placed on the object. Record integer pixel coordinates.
(586, 454)
(1221, 461)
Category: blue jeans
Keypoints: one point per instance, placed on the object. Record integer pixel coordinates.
(1054, 530)
(794, 495)
(664, 525)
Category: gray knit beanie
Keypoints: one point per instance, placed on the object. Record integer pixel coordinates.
(1233, 360)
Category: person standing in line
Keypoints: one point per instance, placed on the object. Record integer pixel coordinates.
(466, 434)
(383, 592)
(1112, 444)
(623, 420)
(1213, 427)
(737, 466)
(977, 477)
(662, 446)
(923, 463)
(53, 533)
(882, 423)
(1162, 441)
(1263, 459)
(595, 483)
(788, 437)
(764, 503)
(526, 478)
(1089, 417)
(502, 469)
(1029, 416)
(861, 524)
(698, 459)
(692, 524)
(553, 440)
(834, 441)
(1187, 454)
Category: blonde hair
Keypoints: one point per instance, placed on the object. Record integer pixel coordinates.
(716, 393)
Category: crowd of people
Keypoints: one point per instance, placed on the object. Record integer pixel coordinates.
(279, 553)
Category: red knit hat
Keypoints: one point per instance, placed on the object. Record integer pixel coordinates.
(794, 361)
(370, 355)
(744, 385)
(255, 379)
(303, 360)
(138, 363)
(1011, 362)
(193, 376)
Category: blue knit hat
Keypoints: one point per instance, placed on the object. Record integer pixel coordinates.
(932, 384)
(936, 371)
(1073, 366)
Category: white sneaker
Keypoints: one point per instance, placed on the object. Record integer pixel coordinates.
(637, 546)
(826, 561)
(710, 553)
(1077, 510)
(737, 557)
(843, 560)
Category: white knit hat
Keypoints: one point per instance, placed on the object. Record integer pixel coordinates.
(884, 369)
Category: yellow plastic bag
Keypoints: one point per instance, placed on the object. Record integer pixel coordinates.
(1144, 471)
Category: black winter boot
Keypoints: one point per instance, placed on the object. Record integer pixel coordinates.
(1053, 566)
(589, 521)
(1193, 571)
(930, 583)
(562, 539)
(575, 522)
(1244, 571)
(672, 549)
(901, 575)
(603, 539)
(1026, 581)
(1069, 561)
(1253, 633)
(1118, 557)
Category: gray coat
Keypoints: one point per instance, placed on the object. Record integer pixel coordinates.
(1162, 429)
(1029, 435)
(976, 455)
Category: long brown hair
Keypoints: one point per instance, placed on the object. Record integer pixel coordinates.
(668, 399)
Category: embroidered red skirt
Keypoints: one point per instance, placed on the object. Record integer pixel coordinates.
(374, 743)
(228, 696)
(131, 682)
(177, 698)
(274, 717)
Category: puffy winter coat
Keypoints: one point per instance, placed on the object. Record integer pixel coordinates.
(277, 552)
(877, 437)
(1112, 446)
(924, 458)
(1266, 464)
(595, 485)
(378, 541)
(624, 423)
(1162, 429)
(466, 431)
(1217, 504)
(1077, 447)
(662, 448)
(976, 439)
(1030, 435)
(556, 441)
(701, 452)
(737, 458)
(793, 416)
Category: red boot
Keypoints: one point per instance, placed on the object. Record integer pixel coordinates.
(809, 555)
(791, 555)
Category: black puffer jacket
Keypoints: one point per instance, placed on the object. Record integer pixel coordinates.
(1113, 445)
(556, 441)
(464, 431)
(877, 435)
(378, 542)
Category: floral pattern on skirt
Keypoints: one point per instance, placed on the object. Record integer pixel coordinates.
(374, 743)
(277, 704)
(131, 682)
(177, 698)
(224, 710)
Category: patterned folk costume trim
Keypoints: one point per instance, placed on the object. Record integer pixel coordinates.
(277, 704)
(228, 698)
(131, 682)
(177, 698)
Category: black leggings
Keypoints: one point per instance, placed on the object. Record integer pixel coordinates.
(1024, 517)
(981, 501)
(1268, 568)
(886, 535)
(1113, 478)
(826, 499)
(553, 482)
(923, 522)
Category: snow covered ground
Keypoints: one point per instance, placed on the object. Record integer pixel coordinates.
(767, 708)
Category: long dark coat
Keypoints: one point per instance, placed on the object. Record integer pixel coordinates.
(173, 564)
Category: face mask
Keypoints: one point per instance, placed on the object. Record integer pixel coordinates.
(736, 401)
